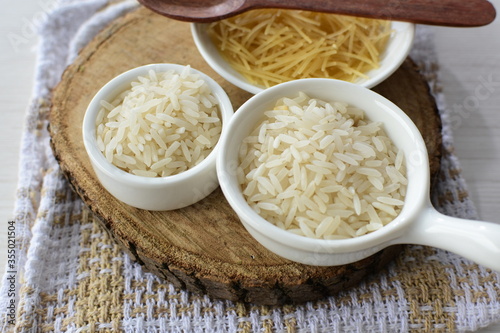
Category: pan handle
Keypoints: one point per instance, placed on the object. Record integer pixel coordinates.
(475, 240)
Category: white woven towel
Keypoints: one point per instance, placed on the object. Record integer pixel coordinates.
(49, 257)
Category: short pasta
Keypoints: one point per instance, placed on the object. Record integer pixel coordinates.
(269, 46)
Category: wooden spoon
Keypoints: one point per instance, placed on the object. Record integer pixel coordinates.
(459, 13)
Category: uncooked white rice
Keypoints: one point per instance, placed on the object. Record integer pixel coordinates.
(322, 170)
(166, 123)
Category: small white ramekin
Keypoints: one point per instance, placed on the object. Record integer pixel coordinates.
(160, 193)
(398, 48)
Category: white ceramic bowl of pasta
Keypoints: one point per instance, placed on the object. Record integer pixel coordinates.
(397, 50)
(417, 223)
(152, 193)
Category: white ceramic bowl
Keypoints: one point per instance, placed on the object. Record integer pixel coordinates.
(397, 50)
(418, 222)
(161, 193)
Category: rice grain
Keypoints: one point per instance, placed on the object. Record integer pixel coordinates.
(165, 123)
(328, 173)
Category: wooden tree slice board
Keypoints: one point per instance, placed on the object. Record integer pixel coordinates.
(203, 248)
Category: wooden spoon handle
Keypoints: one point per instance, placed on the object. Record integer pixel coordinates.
(459, 13)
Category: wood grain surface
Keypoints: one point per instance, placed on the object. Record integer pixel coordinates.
(203, 248)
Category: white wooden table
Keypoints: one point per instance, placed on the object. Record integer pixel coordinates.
(468, 58)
